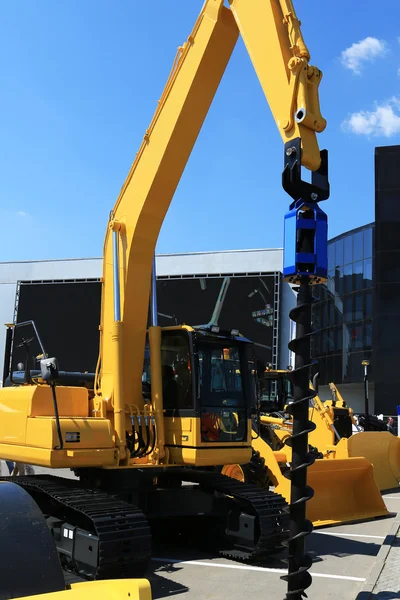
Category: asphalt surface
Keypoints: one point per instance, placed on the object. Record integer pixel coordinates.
(343, 558)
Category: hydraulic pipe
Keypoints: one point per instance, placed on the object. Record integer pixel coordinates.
(365, 364)
(7, 353)
(119, 410)
(154, 313)
(156, 385)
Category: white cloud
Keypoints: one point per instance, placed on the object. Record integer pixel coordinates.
(383, 121)
(364, 51)
(21, 213)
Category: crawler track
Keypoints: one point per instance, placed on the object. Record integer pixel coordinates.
(122, 530)
(269, 508)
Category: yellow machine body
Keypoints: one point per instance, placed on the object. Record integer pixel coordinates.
(344, 489)
(380, 448)
(115, 589)
(28, 433)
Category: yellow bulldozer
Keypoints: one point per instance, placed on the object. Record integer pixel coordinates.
(346, 486)
(337, 433)
(133, 441)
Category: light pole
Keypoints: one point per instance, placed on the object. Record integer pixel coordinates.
(365, 364)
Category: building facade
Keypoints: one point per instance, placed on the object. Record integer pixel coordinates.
(235, 289)
(343, 312)
(356, 316)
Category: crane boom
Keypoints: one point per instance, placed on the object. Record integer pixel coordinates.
(270, 29)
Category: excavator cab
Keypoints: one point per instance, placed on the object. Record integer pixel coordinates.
(276, 390)
(208, 393)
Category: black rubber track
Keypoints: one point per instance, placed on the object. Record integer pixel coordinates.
(123, 531)
(269, 508)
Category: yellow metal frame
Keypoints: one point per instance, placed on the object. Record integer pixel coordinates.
(115, 589)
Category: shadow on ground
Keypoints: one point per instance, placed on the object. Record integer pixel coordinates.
(378, 596)
(332, 545)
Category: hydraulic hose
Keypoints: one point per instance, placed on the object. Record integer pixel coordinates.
(298, 577)
(57, 416)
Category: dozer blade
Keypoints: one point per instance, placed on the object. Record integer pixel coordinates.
(344, 491)
(382, 449)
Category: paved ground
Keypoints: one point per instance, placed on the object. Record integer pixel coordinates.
(344, 561)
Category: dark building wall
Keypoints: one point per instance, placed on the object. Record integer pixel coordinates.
(343, 313)
(67, 314)
(387, 279)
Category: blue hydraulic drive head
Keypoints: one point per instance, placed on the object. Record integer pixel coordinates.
(305, 252)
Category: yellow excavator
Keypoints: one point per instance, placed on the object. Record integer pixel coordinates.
(134, 441)
(345, 489)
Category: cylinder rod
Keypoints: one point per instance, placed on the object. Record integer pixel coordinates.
(116, 336)
(117, 297)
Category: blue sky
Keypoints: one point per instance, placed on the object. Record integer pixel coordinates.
(80, 80)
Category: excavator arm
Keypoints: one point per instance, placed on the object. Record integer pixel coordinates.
(271, 32)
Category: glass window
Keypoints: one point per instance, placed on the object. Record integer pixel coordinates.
(368, 272)
(176, 372)
(223, 417)
(368, 304)
(338, 367)
(358, 275)
(316, 315)
(346, 338)
(322, 370)
(331, 283)
(368, 334)
(358, 246)
(348, 249)
(331, 311)
(348, 309)
(339, 338)
(357, 336)
(368, 243)
(324, 342)
(358, 306)
(220, 371)
(316, 338)
(339, 253)
(324, 315)
(331, 255)
(331, 340)
(348, 279)
(330, 368)
(339, 280)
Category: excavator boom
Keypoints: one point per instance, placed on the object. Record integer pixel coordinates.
(271, 32)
